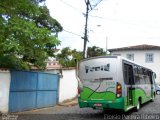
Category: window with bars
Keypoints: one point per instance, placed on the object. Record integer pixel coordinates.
(130, 57)
(149, 57)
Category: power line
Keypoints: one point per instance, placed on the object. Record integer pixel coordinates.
(97, 16)
(89, 7)
(76, 35)
(71, 6)
(123, 21)
(95, 5)
(93, 15)
(72, 33)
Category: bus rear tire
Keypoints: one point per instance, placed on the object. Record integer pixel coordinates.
(138, 105)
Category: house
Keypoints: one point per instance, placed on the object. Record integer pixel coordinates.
(145, 55)
(53, 65)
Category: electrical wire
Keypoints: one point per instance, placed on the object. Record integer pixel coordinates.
(72, 7)
(72, 33)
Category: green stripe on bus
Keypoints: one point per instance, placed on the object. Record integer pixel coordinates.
(88, 93)
(140, 93)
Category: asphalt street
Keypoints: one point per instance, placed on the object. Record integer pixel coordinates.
(148, 111)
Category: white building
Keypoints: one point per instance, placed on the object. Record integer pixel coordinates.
(145, 55)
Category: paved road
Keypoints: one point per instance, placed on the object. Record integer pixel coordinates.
(148, 111)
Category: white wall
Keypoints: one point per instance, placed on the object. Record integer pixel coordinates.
(4, 91)
(67, 88)
(68, 85)
(139, 57)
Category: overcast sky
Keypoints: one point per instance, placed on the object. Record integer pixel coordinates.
(121, 22)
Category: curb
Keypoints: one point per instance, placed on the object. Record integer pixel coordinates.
(69, 103)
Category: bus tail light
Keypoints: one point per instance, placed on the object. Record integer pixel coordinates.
(119, 90)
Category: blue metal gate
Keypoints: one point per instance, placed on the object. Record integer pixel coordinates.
(31, 90)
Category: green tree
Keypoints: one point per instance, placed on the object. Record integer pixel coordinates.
(69, 58)
(27, 35)
(95, 51)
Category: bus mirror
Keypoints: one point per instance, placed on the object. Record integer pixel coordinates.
(155, 76)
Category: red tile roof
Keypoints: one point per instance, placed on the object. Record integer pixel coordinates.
(137, 47)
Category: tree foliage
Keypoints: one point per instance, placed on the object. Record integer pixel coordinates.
(95, 51)
(69, 58)
(27, 34)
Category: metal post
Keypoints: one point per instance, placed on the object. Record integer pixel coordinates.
(106, 45)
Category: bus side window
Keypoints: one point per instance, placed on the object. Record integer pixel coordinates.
(150, 74)
(140, 70)
(136, 76)
(141, 76)
(141, 79)
(125, 74)
(147, 79)
(146, 76)
(153, 78)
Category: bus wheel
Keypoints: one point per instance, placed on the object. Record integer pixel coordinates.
(138, 105)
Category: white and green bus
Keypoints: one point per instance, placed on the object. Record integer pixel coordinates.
(113, 82)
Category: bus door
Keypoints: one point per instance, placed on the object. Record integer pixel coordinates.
(153, 77)
(129, 80)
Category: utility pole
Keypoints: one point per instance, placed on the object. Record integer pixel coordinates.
(88, 7)
(106, 45)
(86, 28)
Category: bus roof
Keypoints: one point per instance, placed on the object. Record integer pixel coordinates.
(118, 57)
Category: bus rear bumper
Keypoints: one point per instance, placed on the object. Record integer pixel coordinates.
(102, 104)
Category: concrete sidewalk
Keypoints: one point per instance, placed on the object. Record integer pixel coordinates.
(69, 103)
(52, 110)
